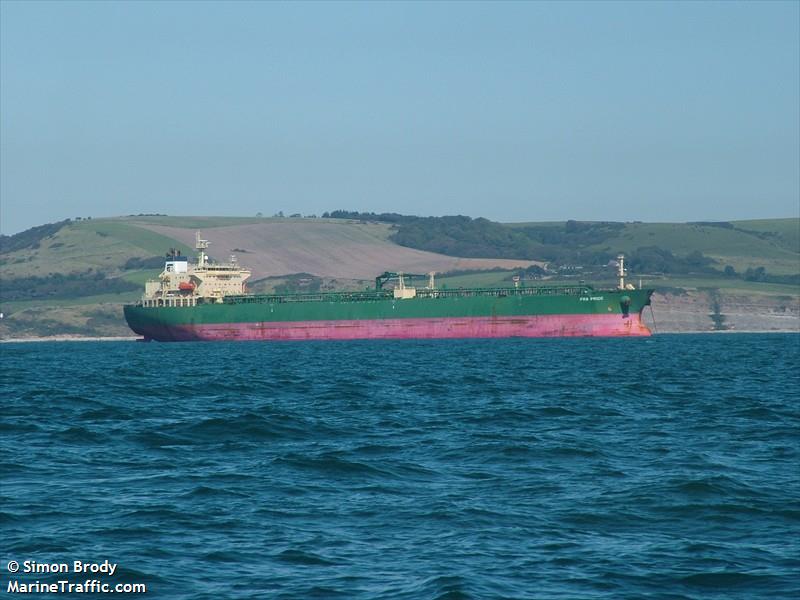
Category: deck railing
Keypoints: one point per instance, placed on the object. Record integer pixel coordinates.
(368, 296)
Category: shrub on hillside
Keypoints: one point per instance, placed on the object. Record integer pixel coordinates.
(136, 263)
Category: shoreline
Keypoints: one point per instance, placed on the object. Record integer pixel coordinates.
(69, 338)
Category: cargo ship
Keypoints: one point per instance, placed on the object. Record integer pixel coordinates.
(208, 301)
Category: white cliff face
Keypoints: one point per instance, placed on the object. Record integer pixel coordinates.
(703, 311)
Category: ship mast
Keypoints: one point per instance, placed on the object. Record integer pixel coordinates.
(621, 270)
(201, 246)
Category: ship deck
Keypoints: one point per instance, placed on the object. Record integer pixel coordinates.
(377, 295)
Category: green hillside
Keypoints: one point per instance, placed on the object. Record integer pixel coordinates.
(773, 244)
(73, 276)
(102, 244)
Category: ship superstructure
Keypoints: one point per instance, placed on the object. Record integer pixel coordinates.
(181, 284)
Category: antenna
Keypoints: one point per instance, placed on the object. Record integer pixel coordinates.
(201, 245)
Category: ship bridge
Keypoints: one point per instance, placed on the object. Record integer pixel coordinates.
(185, 284)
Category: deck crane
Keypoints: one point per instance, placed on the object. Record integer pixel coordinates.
(401, 278)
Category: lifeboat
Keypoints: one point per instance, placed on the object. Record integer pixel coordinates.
(186, 286)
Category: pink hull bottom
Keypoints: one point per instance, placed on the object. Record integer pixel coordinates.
(613, 325)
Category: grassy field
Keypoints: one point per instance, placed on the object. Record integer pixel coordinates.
(787, 229)
(193, 222)
(153, 244)
(99, 245)
(728, 246)
(211, 222)
(777, 249)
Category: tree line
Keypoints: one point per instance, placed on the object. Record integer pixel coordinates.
(460, 235)
(59, 286)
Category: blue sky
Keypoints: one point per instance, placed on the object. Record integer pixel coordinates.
(511, 111)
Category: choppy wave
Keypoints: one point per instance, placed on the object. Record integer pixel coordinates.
(659, 468)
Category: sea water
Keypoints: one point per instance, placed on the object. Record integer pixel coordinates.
(666, 467)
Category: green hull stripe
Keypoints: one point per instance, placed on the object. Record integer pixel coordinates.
(599, 302)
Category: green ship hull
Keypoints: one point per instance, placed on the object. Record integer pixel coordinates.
(499, 312)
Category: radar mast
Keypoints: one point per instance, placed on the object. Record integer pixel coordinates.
(201, 246)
